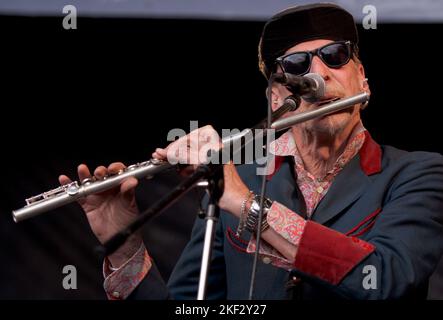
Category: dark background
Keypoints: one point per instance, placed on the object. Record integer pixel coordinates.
(112, 89)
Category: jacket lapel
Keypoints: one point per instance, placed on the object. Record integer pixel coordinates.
(348, 186)
(283, 187)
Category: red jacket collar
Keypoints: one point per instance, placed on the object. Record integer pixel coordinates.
(370, 156)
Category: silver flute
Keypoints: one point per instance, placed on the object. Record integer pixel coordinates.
(73, 191)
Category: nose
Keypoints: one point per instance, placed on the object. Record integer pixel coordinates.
(318, 66)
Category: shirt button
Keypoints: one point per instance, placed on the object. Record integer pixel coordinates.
(116, 294)
(296, 280)
(266, 260)
(320, 189)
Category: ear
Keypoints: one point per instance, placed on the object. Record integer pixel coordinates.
(274, 100)
(364, 81)
(276, 96)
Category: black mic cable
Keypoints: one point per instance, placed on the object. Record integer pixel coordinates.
(263, 190)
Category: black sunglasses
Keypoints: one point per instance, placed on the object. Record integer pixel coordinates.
(334, 55)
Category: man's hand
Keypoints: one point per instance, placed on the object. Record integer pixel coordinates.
(110, 211)
(193, 149)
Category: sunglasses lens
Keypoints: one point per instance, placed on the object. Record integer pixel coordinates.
(297, 63)
(335, 55)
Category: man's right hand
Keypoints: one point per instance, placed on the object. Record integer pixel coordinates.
(111, 211)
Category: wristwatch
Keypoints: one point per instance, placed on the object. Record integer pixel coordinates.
(254, 210)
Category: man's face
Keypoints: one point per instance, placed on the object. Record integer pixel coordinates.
(345, 81)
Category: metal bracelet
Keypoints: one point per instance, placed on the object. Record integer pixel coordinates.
(254, 210)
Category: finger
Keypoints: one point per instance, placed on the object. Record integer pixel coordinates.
(210, 136)
(209, 131)
(160, 154)
(156, 155)
(100, 172)
(83, 172)
(177, 153)
(64, 179)
(116, 167)
(127, 188)
(172, 147)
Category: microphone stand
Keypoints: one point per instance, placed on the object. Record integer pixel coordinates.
(213, 173)
(215, 190)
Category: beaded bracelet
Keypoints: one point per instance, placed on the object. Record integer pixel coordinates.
(242, 222)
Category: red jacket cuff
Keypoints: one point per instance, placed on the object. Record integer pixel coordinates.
(328, 254)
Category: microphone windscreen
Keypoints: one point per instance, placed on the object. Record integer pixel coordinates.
(320, 88)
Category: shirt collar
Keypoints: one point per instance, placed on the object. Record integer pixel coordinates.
(286, 146)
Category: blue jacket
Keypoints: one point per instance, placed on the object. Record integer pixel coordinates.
(377, 234)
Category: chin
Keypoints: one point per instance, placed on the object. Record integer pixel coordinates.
(330, 125)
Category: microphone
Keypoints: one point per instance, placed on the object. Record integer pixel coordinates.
(291, 103)
(310, 87)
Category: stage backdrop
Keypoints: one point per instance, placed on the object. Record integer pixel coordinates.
(387, 11)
